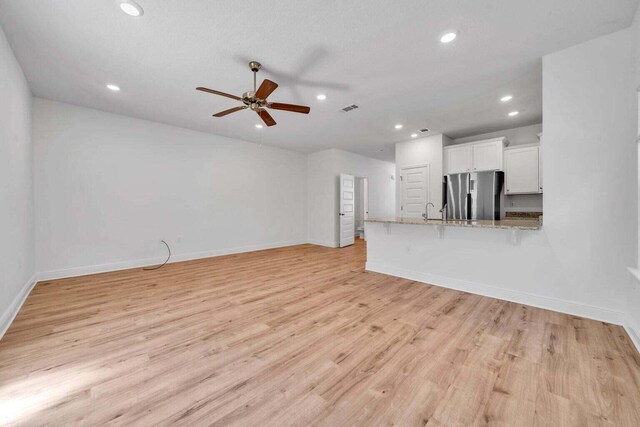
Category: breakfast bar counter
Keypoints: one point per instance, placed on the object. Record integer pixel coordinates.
(518, 224)
(510, 259)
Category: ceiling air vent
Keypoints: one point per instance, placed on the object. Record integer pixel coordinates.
(348, 108)
(425, 130)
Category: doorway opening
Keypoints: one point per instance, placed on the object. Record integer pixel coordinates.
(361, 205)
(354, 208)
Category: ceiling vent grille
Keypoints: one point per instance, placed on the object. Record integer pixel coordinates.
(425, 130)
(348, 108)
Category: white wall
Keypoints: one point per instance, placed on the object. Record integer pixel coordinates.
(523, 203)
(321, 195)
(324, 169)
(16, 186)
(516, 136)
(590, 165)
(633, 294)
(109, 187)
(419, 152)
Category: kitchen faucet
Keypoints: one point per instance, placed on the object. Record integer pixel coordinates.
(425, 215)
(443, 211)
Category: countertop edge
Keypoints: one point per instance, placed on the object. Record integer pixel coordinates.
(453, 224)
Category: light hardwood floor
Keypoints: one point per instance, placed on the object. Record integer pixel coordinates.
(304, 336)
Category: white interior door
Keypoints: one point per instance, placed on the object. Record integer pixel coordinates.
(415, 191)
(347, 204)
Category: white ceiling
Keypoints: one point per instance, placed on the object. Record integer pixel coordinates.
(383, 55)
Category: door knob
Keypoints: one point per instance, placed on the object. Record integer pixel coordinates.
(341, 214)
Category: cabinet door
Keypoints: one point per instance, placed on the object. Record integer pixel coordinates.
(458, 159)
(522, 170)
(487, 156)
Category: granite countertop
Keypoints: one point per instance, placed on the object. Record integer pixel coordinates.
(523, 215)
(519, 224)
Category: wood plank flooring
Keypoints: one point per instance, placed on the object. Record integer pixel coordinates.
(304, 336)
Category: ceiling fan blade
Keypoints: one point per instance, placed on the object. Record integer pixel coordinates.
(215, 92)
(289, 107)
(266, 117)
(266, 88)
(229, 111)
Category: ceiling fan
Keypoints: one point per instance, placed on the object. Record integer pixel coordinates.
(256, 100)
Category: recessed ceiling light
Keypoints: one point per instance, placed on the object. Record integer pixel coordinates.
(113, 87)
(506, 98)
(514, 113)
(448, 38)
(321, 97)
(398, 126)
(131, 8)
(414, 135)
(259, 126)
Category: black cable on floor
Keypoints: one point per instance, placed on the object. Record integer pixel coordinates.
(165, 261)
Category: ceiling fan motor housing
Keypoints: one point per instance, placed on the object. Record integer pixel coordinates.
(249, 98)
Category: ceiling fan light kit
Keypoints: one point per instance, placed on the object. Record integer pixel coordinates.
(256, 100)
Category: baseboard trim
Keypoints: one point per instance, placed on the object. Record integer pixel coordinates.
(540, 301)
(633, 329)
(124, 265)
(7, 317)
(325, 243)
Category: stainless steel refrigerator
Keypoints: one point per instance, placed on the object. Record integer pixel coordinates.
(475, 195)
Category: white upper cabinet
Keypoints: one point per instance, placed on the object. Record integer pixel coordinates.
(522, 170)
(475, 156)
(457, 159)
(487, 156)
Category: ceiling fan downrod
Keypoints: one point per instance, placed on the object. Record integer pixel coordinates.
(254, 66)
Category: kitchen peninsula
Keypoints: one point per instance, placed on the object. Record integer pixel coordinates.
(506, 259)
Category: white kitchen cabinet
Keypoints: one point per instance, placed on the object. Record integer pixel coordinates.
(457, 159)
(474, 156)
(522, 170)
(487, 156)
